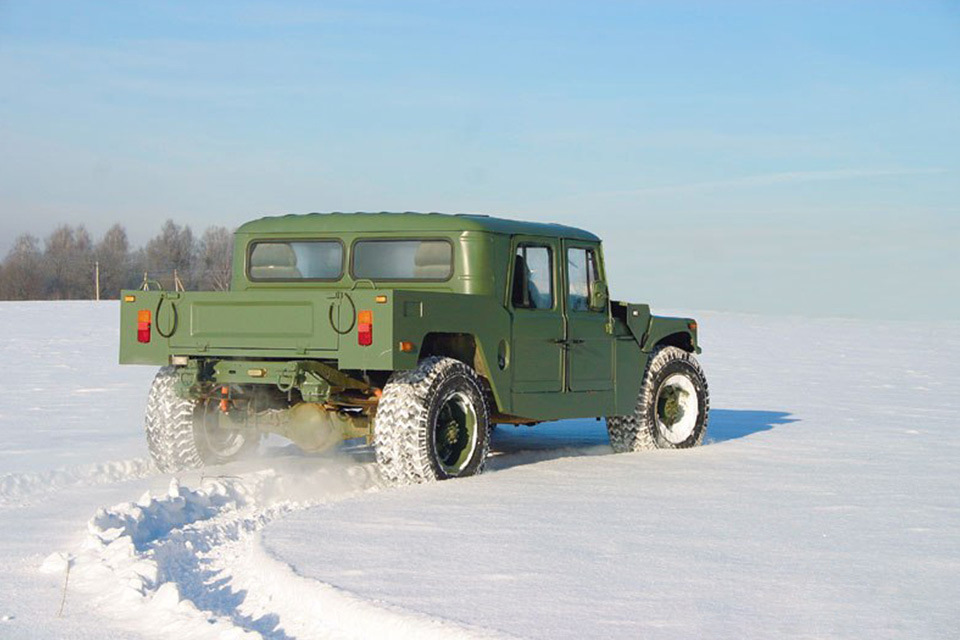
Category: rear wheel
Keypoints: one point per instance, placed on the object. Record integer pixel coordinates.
(432, 423)
(186, 434)
(672, 408)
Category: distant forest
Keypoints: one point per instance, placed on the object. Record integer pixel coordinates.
(65, 266)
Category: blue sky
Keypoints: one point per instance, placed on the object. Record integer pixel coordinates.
(777, 157)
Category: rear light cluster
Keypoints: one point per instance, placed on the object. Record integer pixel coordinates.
(365, 328)
(143, 326)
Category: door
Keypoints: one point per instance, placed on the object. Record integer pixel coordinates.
(537, 357)
(589, 346)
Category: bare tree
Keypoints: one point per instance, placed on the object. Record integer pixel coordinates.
(65, 268)
(173, 250)
(113, 255)
(81, 279)
(57, 258)
(22, 276)
(138, 266)
(216, 258)
(68, 263)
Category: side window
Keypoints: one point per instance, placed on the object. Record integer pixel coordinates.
(581, 275)
(533, 277)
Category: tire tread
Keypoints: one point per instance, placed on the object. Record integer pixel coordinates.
(636, 432)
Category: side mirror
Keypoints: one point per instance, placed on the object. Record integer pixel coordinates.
(599, 296)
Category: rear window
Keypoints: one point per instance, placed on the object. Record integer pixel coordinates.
(403, 259)
(296, 260)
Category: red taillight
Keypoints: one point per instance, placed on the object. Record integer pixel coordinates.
(365, 328)
(143, 325)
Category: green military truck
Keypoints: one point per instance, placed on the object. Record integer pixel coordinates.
(418, 332)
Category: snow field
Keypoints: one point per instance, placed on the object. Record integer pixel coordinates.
(66, 402)
(826, 504)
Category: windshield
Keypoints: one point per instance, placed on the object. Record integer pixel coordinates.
(403, 259)
(296, 260)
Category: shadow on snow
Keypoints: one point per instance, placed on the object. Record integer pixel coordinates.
(730, 424)
(513, 446)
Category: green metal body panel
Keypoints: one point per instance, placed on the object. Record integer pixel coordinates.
(541, 364)
(671, 330)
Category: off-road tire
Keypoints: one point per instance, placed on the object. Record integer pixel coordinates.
(642, 430)
(406, 423)
(174, 430)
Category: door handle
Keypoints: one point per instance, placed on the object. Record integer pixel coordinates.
(565, 343)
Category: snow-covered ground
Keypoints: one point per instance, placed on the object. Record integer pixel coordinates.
(826, 504)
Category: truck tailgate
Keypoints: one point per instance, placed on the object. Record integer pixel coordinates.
(276, 323)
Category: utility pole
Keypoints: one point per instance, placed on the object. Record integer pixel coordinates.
(96, 265)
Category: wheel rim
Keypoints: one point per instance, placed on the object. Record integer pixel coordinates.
(455, 433)
(678, 408)
(219, 440)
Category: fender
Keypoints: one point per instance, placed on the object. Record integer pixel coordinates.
(652, 331)
(677, 332)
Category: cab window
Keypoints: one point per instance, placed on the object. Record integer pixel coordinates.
(581, 276)
(533, 277)
(296, 260)
(377, 259)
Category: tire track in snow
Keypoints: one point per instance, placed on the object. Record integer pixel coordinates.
(19, 488)
(274, 588)
(189, 563)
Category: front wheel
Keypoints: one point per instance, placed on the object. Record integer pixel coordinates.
(185, 434)
(432, 423)
(672, 408)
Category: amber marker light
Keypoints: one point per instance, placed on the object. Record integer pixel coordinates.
(129, 298)
(406, 347)
(381, 299)
(692, 326)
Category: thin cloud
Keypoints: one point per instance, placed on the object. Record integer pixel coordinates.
(768, 179)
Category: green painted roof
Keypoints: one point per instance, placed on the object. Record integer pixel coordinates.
(316, 223)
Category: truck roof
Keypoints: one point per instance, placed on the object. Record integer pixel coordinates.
(318, 223)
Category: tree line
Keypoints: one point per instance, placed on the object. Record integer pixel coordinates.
(69, 264)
